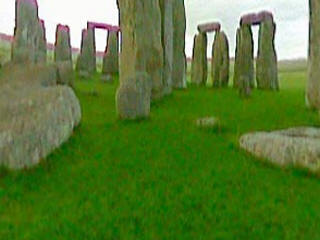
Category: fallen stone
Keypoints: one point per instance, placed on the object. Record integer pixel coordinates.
(199, 67)
(298, 147)
(208, 122)
(179, 79)
(36, 118)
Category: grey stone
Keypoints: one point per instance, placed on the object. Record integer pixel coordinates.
(140, 23)
(244, 65)
(298, 147)
(63, 49)
(313, 85)
(166, 7)
(87, 58)
(29, 44)
(199, 67)
(179, 78)
(267, 63)
(220, 65)
(65, 74)
(133, 97)
(208, 122)
(37, 116)
(110, 64)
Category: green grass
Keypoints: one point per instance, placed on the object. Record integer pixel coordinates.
(165, 179)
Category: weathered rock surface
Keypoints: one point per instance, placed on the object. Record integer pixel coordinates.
(36, 118)
(29, 44)
(179, 79)
(65, 74)
(140, 23)
(134, 96)
(244, 58)
(299, 147)
(166, 7)
(141, 54)
(209, 122)
(267, 63)
(313, 85)
(236, 73)
(63, 50)
(199, 67)
(86, 63)
(220, 65)
(110, 64)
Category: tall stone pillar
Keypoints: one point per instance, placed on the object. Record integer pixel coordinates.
(199, 68)
(245, 59)
(179, 79)
(29, 44)
(267, 63)
(110, 64)
(62, 49)
(86, 63)
(141, 58)
(166, 7)
(236, 71)
(220, 60)
(313, 85)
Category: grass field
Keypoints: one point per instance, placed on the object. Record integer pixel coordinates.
(165, 179)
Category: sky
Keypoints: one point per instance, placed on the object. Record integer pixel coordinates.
(291, 17)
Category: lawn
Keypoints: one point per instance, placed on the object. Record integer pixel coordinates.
(165, 179)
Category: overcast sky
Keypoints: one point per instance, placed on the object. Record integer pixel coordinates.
(291, 17)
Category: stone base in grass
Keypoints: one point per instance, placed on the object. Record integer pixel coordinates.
(298, 147)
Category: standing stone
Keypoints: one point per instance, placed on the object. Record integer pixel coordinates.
(41, 54)
(199, 67)
(220, 60)
(313, 85)
(110, 64)
(267, 65)
(245, 60)
(237, 61)
(166, 7)
(29, 44)
(179, 79)
(62, 50)
(86, 63)
(141, 57)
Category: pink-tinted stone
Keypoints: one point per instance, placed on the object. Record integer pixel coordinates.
(104, 26)
(256, 18)
(63, 28)
(209, 27)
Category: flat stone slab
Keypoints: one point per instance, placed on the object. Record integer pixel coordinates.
(209, 27)
(298, 147)
(37, 116)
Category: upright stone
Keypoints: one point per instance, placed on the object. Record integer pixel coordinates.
(141, 57)
(313, 85)
(62, 50)
(245, 60)
(220, 60)
(199, 67)
(41, 55)
(179, 56)
(110, 64)
(236, 71)
(267, 65)
(86, 63)
(29, 44)
(166, 7)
